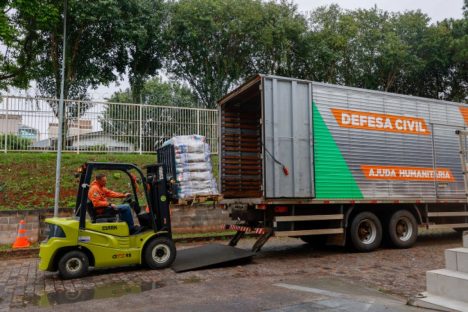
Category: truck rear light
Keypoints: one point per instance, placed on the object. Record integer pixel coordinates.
(261, 207)
(281, 209)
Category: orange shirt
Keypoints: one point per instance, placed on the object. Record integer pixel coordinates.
(98, 195)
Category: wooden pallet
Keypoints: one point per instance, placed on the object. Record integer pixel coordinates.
(198, 199)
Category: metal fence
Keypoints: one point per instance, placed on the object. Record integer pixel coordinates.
(30, 124)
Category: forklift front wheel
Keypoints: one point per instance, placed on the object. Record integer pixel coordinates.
(160, 253)
(73, 264)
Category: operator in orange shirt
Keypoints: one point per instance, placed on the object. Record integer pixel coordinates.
(98, 194)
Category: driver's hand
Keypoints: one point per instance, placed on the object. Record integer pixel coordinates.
(128, 194)
(113, 206)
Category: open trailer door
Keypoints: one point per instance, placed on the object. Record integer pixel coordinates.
(288, 138)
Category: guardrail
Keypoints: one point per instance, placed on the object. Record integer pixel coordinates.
(30, 124)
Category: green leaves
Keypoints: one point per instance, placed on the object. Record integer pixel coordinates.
(212, 45)
(215, 43)
(19, 24)
(105, 39)
(395, 52)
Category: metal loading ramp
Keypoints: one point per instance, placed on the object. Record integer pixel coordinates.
(208, 255)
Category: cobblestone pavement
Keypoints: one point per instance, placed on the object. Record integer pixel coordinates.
(397, 272)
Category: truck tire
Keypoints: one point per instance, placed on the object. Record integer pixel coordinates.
(402, 229)
(366, 232)
(73, 264)
(160, 253)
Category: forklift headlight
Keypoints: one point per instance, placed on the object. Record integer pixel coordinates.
(53, 230)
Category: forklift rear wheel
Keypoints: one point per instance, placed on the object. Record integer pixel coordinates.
(160, 253)
(73, 264)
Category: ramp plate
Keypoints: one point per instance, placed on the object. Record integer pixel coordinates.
(208, 255)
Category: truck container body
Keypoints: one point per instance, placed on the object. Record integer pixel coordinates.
(340, 143)
(301, 145)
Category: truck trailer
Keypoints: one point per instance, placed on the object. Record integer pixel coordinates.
(335, 164)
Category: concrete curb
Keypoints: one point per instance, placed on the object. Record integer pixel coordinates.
(19, 253)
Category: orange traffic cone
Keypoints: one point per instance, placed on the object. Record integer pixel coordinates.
(22, 240)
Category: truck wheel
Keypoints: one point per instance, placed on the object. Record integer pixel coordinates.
(160, 253)
(402, 229)
(366, 232)
(73, 264)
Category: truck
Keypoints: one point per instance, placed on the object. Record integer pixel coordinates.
(333, 164)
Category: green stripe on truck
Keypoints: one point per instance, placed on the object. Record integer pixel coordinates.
(333, 179)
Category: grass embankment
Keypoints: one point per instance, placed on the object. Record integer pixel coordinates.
(27, 180)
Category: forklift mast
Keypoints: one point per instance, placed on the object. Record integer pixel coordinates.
(159, 197)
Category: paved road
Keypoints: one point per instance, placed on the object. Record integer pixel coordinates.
(287, 276)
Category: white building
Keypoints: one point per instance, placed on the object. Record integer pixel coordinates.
(10, 123)
(75, 127)
(98, 141)
(92, 141)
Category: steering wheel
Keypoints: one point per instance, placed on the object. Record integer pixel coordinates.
(133, 204)
(128, 199)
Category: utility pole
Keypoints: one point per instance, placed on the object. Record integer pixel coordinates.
(60, 115)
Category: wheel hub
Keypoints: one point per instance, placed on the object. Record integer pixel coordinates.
(404, 229)
(367, 231)
(161, 253)
(73, 264)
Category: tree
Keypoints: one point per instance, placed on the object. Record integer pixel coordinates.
(278, 41)
(459, 48)
(105, 38)
(210, 44)
(155, 123)
(329, 44)
(19, 24)
(216, 43)
(384, 51)
(142, 33)
(438, 53)
(93, 57)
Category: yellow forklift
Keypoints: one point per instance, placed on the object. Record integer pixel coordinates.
(75, 244)
(101, 241)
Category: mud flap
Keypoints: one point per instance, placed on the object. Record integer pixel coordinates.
(207, 256)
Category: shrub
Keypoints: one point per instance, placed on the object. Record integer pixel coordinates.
(14, 142)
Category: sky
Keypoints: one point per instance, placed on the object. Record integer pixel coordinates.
(436, 9)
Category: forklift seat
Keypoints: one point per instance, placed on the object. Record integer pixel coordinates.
(109, 215)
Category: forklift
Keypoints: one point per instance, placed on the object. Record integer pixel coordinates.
(103, 241)
(72, 245)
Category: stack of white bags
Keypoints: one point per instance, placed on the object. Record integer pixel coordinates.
(194, 173)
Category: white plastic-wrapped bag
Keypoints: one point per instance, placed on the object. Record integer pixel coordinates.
(193, 169)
